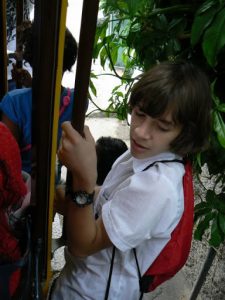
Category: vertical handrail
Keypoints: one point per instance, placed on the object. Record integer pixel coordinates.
(85, 49)
(46, 95)
(3, 50)
(19, 20)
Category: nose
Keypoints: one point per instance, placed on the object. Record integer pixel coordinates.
(145, 129)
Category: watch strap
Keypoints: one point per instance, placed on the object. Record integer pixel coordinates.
(81, 198)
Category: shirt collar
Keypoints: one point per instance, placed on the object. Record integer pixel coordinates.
(141, 164)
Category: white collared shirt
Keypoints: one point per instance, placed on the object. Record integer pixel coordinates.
(139, 209)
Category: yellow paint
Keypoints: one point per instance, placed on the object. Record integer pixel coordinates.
(61, 33)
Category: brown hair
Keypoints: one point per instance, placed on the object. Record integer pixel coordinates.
(184, 89)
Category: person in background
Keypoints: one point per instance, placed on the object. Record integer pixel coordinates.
(16, 105)
(108, 149)
(141, 200)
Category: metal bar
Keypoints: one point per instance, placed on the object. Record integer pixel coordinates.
(19, 20)
(86, 43)
(3, 50)
(45, 54)
(55, 121)
(202, 276)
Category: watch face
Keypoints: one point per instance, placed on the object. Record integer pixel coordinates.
(81, 199)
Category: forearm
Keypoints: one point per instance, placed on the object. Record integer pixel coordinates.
(86, 235)
(81, 229)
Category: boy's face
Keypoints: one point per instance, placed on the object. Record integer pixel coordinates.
(151, 136)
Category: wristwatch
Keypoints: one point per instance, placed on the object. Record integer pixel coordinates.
(81, 198)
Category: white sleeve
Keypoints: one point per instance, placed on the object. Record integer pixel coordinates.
(147, 207)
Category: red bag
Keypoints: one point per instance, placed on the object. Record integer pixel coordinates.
(174, 255)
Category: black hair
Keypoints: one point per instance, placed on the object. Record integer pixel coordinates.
(70, 51)
(26, 41)
(108, 149)
(184, 89)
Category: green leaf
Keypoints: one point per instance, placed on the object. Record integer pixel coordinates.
(219, 203)
(202, 21)
(219, 127)
(210, 196)
(206, 5)
(203, 208)
(116, 88)
(214, 38)
(97, 49)
(214, 97)
(217, 236)
(101, 28)
(221, 218)
(199, 159)
(172, 47)
(92, 75)
(176, 25)
(134, 6)
(119, 94)
(203, 226)
(103, 57)
(202, 205)
(93, 89)
(221, 107)
(114, 53)
(201, 212)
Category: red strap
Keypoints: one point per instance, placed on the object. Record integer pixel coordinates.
(175, 253)
(65, 102)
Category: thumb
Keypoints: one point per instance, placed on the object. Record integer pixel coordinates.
(88, 135)
(69, 131)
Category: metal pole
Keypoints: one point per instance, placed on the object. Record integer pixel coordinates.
(19, 55)
(85, 49)
(202, 276)
(3, 51)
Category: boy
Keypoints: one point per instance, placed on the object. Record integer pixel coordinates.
(136, 208)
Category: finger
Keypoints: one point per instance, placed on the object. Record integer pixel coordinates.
(88, 135)
(70, 132)
(63, 148)
(60, 155)
(67, 145)
(63, 134)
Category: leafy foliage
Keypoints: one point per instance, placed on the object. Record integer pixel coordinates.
(211, 212)
(138, 34)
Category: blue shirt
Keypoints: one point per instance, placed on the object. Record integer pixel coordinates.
(17, 106)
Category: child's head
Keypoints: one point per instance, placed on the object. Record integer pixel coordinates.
(26, 40)
(183, 90)
(70, 51)
(108, 149)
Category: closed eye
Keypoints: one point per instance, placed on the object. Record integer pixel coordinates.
(163, 126)
(139, 112)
